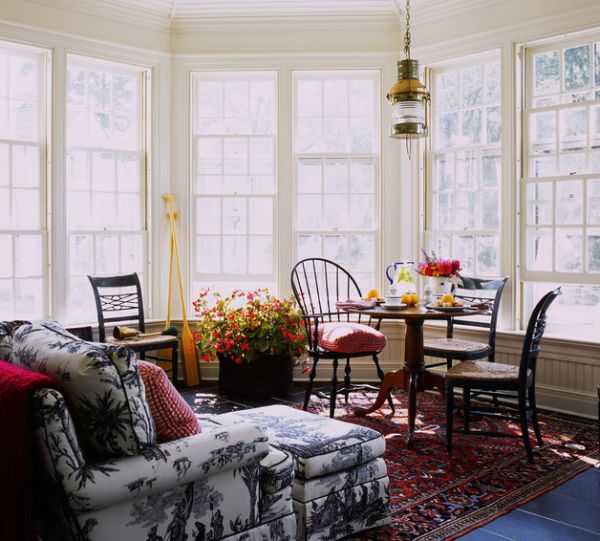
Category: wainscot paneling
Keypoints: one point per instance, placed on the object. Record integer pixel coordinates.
(567, 379)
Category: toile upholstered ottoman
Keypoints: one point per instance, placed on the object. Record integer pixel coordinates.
(340, 484)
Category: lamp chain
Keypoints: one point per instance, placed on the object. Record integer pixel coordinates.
(407, 34)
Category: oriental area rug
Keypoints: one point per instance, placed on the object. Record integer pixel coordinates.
(439, 497)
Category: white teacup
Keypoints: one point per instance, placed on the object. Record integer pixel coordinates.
(393, 300)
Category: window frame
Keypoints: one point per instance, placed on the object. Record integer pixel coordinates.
(524, 177)
(428, 234)
(342, 73)
(42, 143)
(114, 65)
(240, 74)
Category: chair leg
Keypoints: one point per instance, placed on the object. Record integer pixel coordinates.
(334, 382)
(524, 427)
(534, 417)
(448, 362)
(174, 364)
(347, 372)
(309, 385)
(449, 415)
(381, 375)
(467, 409)
(492, 359)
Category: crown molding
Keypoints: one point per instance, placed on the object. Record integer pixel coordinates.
(111, 11)
(434, 10)
(279, 23)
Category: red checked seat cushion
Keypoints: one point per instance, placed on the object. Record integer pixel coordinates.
(348, 337)
(173, 417)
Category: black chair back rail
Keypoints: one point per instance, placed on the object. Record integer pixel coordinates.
(317, 284)
(474, 290)
(126, 305)
(108, 303)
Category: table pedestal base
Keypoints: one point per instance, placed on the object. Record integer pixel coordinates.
(413, 378)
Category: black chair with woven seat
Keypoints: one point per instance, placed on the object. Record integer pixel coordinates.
(119, 300)
(333, 334)
(506, 380)
(476, 291)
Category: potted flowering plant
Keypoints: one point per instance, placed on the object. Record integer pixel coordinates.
(254, 335)
(442, 274)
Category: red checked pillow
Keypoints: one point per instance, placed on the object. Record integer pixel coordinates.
(347, 337)
(173, 417)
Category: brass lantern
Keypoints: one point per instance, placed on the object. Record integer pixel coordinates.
(409, 97)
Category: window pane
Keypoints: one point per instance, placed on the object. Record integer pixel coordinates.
(547, 73)
(539, 249)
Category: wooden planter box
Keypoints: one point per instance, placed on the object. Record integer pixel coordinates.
(270, 375)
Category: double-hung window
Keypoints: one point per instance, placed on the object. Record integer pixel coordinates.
(23, 224)
(234, 180)
(464, 188)
(336, 168)
(105, 176)
(560, 185)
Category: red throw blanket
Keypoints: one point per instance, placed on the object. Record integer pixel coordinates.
(16, 387)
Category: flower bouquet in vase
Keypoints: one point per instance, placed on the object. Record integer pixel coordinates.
(255, 336)
(441, 275)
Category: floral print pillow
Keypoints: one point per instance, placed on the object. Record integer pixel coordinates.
(101, 383)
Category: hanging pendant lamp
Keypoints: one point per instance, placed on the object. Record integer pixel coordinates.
(409, 97)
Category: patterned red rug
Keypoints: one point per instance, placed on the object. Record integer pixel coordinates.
(437, 497)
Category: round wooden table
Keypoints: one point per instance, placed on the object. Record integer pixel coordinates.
(413, 377)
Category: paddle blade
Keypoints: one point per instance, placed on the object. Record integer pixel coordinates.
(191, 372)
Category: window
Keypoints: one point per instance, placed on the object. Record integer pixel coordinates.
(465, 162)
(105, 169)
(23, 240)
(336, 159)
(234, 179)
(560, 188)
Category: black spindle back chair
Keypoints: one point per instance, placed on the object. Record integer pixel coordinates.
(504, 379)
(483, 291)
(317, 284)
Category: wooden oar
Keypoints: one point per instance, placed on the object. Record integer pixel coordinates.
(166, 354)
(191, 373)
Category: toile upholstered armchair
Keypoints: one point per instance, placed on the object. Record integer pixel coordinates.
(102, 476)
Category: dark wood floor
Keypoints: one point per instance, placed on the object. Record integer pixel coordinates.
(570, 512)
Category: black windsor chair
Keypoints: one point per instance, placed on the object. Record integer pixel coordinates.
(505, 380)
(318, 284)
(124, 304)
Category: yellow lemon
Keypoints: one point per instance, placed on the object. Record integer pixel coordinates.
(447, 298)
(372, 294)
(412, 299)
(405, 298)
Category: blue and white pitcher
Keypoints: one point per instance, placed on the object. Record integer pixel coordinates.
(402, 277)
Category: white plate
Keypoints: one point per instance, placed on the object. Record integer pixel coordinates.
(393, 306)
(451, 308)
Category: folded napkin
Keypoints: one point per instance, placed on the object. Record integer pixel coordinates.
(357, 305)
